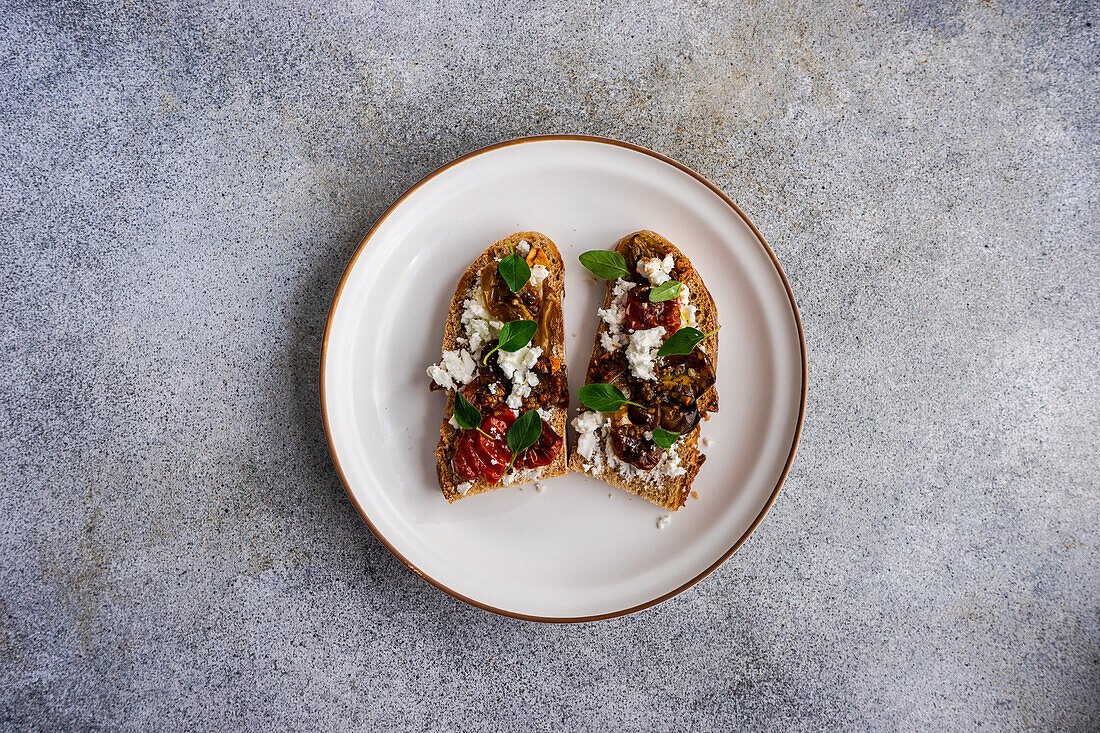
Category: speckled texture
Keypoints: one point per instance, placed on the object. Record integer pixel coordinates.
(182, 185)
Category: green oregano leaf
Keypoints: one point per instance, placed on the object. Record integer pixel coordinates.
(603, 397)
(665, 291)
(684, 341)
(604, 263)
(523, 434)
(513, 337)
(515, 270)
(665, 438)
(467, 416)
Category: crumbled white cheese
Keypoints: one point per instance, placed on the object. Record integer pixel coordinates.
(544, 414)
(588, 426)
(464, 487)
(523, 247)
(457, 368)
(688, 312)
(657, 270)
(642, 351)
(516, 365)
(664, 521)
(613, 338)
(481, 327)
(670, 464)
(454, 423)
(538, 274)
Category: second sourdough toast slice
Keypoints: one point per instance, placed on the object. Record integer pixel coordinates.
(671, 392)
(501, 383)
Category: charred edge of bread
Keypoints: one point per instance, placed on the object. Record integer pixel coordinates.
(670, 493)
(553, 287)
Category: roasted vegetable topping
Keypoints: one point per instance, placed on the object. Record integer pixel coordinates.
(546, 317)
(693, 370)
(502, 303)
(671, 402)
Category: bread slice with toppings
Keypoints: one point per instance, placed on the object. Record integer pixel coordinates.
(531, 378)
(673, 391)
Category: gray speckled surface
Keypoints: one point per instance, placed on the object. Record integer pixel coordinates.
(182, 185)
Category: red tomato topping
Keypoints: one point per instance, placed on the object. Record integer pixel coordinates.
(641, 314)
(477, 455)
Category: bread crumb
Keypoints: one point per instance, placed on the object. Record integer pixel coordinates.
(707, 441)
(539, 487)
(695, 495)
(663, 521)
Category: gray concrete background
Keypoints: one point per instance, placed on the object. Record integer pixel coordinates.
(183, 184)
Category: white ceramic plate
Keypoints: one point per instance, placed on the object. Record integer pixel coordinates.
(580, 549)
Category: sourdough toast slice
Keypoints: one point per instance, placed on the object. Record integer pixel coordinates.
(474, 322)
(668, 484)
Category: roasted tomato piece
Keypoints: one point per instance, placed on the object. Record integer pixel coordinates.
(543, 452)
(642, 314)
(693, 371)
(476, 455)
(467, 461)
(630, 444)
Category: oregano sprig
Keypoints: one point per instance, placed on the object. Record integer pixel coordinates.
(523, 434)
(665, 291)
(684, 341)
(665, 438)
(603, 397)
(608, 264)
(514, 270)
(513, 337)
(467, 416)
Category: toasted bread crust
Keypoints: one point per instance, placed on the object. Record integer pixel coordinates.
(670, 493)
(553, 289)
